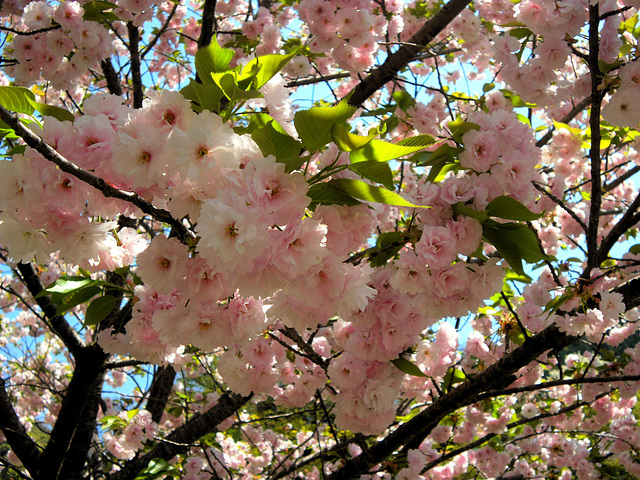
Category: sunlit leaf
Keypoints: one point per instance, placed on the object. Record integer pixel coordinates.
(314, 125)
(17, 99)
(408, 367)
(370, 193)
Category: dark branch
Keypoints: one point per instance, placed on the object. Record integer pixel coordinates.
(15, 433)
(160, 391)
(593, 257)
(111, 76)
(406, 53)
(136, 77)
(566, 119)
(57, 323)
(35, 142)
(78, 396)
(77, 454)
(182, 437)
(208, 23)
(481, 441)
(628, 220)
(498, 376)
(157, 36)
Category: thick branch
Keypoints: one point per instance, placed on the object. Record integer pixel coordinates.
(593, 257)
(136, 77)
(35, 142)
(630, 292)
(182, 437)
(627, 221)
(77, 454)
(497, 376)
(15, 433)
(58, 323)
(160, 391)
(407, 52)
(555, 383)
(481, 441)
(208, 23)
(621, 179)
(78, 396)
(111, 76)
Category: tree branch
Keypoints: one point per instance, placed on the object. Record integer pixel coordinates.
(489, 436)
(406, 53)
(556, 383)
(208, 25)
(179, 440)
(136, 77)
(88, 370)
(58, 323)
(627, 221)
(160, 391)
(497, 376)
(157, 36)
(35, 142)
(15, 433)
(593, 257)
(111, 76)
(584, 103)
(76, 456)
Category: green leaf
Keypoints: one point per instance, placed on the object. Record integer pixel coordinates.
(273, 140)
(462, 209)
(203, 96)
(96, 11)
(66, 284)
(459, 127)
(381, 151)
(516, 101)
(379, 111)
(511, 209)
(112, 422)
(520, 33)
(387, 239)
(408, 367)
(99, 309)
(323, 194)
(347, 141)
(417, 141)
(370, 193)
(156, 468)
(228, 83)
(403, 100)
(212, 59)
(515, 242)
(314, 125)
(389, 124)
(606, 67)
(17, 99)
(440, 170)
(58, 113)
(440, 156)
(487, 87)
(635, 249)
(452, 377)
(557, 302)
(79, 297)
(379, 172)
(268, 66)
